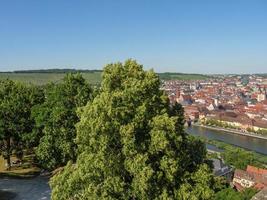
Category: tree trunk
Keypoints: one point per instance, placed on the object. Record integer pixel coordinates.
(8, 147)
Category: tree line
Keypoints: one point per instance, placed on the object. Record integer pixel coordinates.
(55, 70)
(121, 141)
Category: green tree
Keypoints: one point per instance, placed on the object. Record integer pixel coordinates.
(240, 158)
(16, 102)
(177, 110)
(248, 193)
(131, 147)
(56, 119)
(231, 194)
(30, 138)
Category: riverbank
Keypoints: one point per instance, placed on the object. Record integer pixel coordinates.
(234, 155)
(249, 143)
(24, 170)
(232, 131)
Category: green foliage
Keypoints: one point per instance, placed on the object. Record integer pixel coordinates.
(31, 138)
(16, 102)
(231, 194)
(259, 131)
(181, 76)
(56, 119)
(248, 193)
(217, 123)
(220, 183)
(178, 111)
(239, 158)
(236, 156)
(131, 147)
(43, 78)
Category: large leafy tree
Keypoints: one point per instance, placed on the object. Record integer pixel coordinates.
(16, 102)
(133, 146)
(231, 194)
(30, 138)
(239, 158)
(56, 119)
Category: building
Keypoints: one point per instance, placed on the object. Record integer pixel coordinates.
(191, 112)
(221, 169)
(261, 97)
(252, 177)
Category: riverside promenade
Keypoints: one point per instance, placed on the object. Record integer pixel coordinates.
(232, 131)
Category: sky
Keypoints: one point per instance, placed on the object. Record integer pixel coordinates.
(190, 36)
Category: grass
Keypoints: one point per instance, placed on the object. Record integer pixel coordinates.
(260, 158)
(27, 169)
(181, 76)
(22, 173)
(93, 78)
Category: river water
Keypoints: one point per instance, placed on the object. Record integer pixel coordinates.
(24, 189)
(249, 143)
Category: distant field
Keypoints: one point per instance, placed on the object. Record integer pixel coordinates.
(93, 78)
(180, 76)
(44, 78)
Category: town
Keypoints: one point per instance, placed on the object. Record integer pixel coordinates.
(133, 100)
(232, 102)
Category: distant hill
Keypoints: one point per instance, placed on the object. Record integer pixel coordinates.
(262, 75)
(57, 71)
(182, 76)
(44, 76)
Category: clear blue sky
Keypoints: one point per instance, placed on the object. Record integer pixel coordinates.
(200, 36)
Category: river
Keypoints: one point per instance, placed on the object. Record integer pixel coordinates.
(249, 143)
(24, 189)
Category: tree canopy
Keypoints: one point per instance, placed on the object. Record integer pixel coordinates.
(240, 158)
(131, 145)
(231, 194)
(56, 119)
(16, 102)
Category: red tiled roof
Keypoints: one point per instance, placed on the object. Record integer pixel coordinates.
(243, 174)
(257, 175)
(256, 170)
